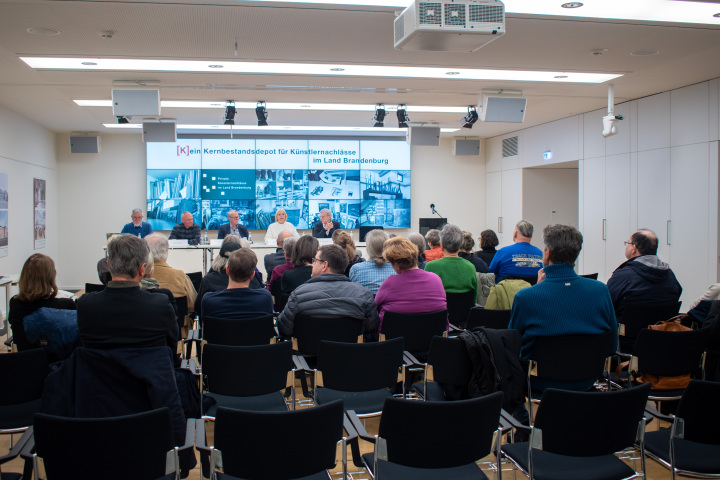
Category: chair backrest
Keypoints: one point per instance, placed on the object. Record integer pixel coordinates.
(637, 316)
(94, 287)
(309, 331)
(698, 408)
(668, 354)
(450, 361)
(22, 376)
(614, 415)
(238, 331)
(459, 305)
(246, 370)
(591, 276)
(250, 446)
(91, 448)
(439, 434)
(195, 279)
(532, 280)
(480, 317)
(417, 329)
(572, 358)
(359, 367)
(182, 310)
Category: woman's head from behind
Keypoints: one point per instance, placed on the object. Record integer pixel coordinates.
(401, 253)
(37, 279)
(341, 238)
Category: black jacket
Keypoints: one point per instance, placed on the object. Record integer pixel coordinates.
(319, 230)
(643, 279)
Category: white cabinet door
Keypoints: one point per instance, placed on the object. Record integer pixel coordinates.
(689, 233)
(617, 210)
(593, 192)
(654, 195)
(511, 203)
(493, 199)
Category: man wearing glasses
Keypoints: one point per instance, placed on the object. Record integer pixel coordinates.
(233, 228)
(329, 293)
(137, 226)
(643, 278)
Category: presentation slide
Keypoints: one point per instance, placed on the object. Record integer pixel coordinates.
(362, 182)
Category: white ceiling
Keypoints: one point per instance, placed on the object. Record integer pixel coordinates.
(207, 30)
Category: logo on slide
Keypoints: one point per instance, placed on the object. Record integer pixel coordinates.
(183, 150)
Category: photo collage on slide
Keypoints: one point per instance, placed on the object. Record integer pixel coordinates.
(362, 182)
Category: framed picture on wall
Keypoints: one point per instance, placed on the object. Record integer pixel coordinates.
(39, 212)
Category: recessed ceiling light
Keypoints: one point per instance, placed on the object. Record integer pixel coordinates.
(215, 66)
(269, 68)
(644, 53)
(304, 106)
(560, 76)
(269, 129)
(452, 73)
(43, 32)
(572, 5)
(717, 15)
(88, 64)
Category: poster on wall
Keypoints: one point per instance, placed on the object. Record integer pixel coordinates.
(39, 211)
(3, 215)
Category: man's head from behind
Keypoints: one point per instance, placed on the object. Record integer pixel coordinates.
(329, 259)
(187, 219)
(158, 246)
(281, 238)
(127, 257)
(562, 244)
(241, 265)
(523, 231)
(642, 242)
(451, 238)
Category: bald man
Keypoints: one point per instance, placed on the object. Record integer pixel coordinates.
(272, 260)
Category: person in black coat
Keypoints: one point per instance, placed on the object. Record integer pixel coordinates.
(234, 227)
(326, 226)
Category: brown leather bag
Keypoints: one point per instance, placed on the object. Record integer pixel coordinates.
(659, 382)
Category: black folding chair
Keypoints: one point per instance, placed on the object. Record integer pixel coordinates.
(637, 316)
(562, 448)
(138, 446)
(362, 375)
(433, 440)
(234, 332)
(418, 329)
(691, 445)
(247, 446)
(481, 317)
(459, 305)
(94, 287)
(447, 372)
(591, 276)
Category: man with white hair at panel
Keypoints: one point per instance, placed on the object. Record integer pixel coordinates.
(233, 226)
(326, 226)
(168, 277)
(137, 227)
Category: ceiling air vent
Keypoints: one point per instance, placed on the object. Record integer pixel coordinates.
(510, 147)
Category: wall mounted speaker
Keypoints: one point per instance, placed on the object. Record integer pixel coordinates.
(136, 102)
(85, 144)
(159, 131)
(429, 136)
(503, 109)
(465, 147)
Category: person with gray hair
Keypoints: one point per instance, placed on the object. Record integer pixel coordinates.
(233, 227)
(124, 315)
(521, 260)
(433, 240)
(457, 274)
(168, 277)
(419, 241)
(137, 227)
(373, 273)
(326, 226)
(466, 252)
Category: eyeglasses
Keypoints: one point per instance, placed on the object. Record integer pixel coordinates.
(628, 243)
(315, 260)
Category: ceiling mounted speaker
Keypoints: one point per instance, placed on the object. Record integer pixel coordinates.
(85, 144)
(136, 102)
(466, 147)
(504, 108)
(159, 131)
(428, 136)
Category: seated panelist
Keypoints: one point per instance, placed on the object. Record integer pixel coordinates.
(233, 227)
(137, 226)
(280, 225)
(186, 230)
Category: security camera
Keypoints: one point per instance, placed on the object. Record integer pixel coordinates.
(609, 128)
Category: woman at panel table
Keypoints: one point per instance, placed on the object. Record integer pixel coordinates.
(281, 224)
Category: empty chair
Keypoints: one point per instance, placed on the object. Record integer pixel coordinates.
(417, 329)
(362, 375)
(309, 331)
(481, 317)
(132, 446)
(247, 444)
(247, 377)
(637, 316)
(691, 445)
(563, 445)
(448, 371)
(239, 331)
(434, 440)
(459, 305)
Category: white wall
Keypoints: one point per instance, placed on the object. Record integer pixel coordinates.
(27, 151)
(101, 190)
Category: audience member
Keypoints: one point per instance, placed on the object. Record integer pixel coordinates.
(412, 290)
(36, 289)
(238, 300)
(123, 315)
(137, 226)
(150, 284)
(233, 226)
(345, 241)
(302, 258)
(273, 283)
(457, 274)
(433, 240)
(488, 242)
(643, 278)
(420, 243)
(562, 303)
(712, 293)
(329, 293)
(279, 226)
(466, 252)
(372, 274)
(272, 260)
(326, 226)
(520, 260)
(167, 277)
(186, 230)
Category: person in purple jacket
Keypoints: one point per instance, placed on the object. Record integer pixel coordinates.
(412, 290)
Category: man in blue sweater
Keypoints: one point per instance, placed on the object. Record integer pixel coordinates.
(137, 227)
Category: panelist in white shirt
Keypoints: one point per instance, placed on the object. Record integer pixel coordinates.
(281, 225)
